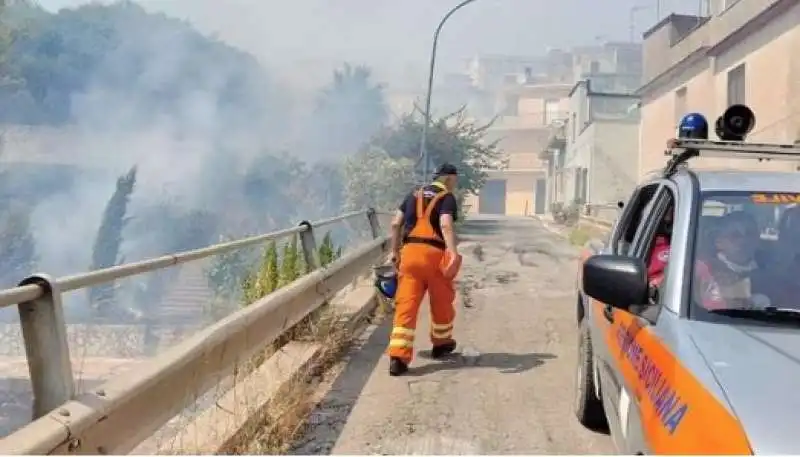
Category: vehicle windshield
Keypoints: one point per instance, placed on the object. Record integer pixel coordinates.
(747, 256)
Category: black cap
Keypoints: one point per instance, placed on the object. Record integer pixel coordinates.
(446, 169)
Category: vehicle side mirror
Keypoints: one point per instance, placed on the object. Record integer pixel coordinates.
(619, 281)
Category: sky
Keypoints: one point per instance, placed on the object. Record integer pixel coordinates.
(303, 38)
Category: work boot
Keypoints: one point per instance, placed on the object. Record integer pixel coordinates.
(397, 367)
(443, 350)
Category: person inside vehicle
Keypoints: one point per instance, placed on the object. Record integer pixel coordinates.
(787, 245)
(785, 261)
(731, 277)
(659, 254)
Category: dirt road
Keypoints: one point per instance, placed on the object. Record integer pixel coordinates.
(507, 391)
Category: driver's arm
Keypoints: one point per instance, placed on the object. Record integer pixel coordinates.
(659, 255)
(706, 288)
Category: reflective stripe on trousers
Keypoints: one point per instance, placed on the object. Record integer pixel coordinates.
(441, 331)
(402, 338)
(419, 273)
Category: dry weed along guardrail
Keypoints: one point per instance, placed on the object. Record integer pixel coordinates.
(116, 416)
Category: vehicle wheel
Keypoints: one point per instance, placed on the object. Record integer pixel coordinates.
(588, 407)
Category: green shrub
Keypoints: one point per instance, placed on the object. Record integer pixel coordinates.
(578, 236)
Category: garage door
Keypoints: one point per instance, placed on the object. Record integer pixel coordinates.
(538, 197)
(492, 197)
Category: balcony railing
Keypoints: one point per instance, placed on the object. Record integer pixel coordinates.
(531, 120)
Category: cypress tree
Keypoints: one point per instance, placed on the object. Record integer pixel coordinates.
(107, 244)
(326, 253)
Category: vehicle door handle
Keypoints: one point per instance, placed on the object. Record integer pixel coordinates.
(608, 312)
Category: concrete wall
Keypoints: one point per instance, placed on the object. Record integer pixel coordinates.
(579, 149)
(613, 107)
(609, 150)
(535, 109)
(676, 37)
(587, 105)
(577, 155)
(602, 136)
(614, 83)
(529, 101)
(609, 59)
(764, 35)
(671, 41)
(579, 112)
(489, 71)
(614, 167)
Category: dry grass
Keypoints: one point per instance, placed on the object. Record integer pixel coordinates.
(385, 306)
(257, 410)
(578, 236)
(285, 416)
(582, 233)
(311, 328)
(314, 327)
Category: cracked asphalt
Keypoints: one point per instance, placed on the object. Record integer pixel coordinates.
(509, 387)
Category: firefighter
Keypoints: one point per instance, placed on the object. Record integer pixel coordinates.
(424, 250)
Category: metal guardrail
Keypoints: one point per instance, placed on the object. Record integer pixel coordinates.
(125, 410)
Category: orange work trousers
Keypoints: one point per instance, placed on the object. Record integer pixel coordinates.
(420, 271)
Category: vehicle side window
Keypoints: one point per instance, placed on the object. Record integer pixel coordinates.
(631, 218)
(652, 245)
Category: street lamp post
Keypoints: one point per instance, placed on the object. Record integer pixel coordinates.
(423, 147)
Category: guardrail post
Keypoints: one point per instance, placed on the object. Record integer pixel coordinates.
(45, 333)
(374, 225)
(309, 244)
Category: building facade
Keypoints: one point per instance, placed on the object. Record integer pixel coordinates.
(532, 112)
(745, 51)
(593, 158)
(601, 151)
(562, 140)
(612, 67)
(491, 72)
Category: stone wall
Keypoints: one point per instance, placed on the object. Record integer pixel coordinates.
(93, 340)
